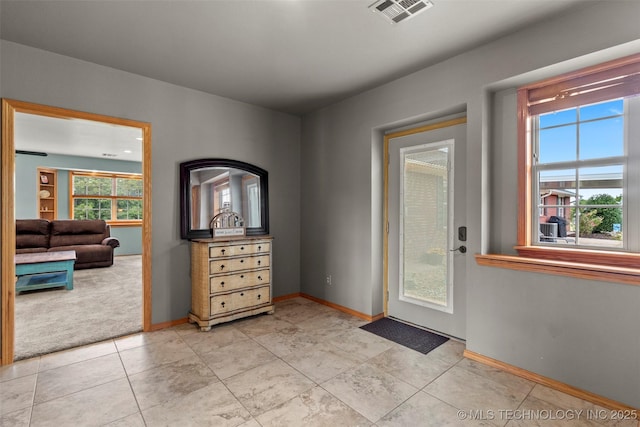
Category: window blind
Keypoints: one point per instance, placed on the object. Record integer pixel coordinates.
(616, 79)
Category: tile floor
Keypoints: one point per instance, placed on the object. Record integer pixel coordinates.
(306, 365)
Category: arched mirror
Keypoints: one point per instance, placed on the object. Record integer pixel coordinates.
(211, 186)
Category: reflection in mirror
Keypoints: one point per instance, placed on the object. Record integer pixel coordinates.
(211, 186)
(215, 190)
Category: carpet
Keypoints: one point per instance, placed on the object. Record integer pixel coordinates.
(104, 303)
(409, 336)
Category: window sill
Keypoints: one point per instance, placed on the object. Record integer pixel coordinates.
(132, 223)
(591, 257)
(557, 266)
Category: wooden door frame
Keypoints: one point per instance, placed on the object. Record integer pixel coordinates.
(385, 219)
(7, 201)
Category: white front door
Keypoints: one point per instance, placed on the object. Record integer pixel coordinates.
(426, 240)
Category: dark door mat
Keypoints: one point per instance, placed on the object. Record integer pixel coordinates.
(409, 336)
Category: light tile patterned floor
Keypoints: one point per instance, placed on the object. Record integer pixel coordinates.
(306, 365)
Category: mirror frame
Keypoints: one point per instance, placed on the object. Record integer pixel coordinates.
(185, 194)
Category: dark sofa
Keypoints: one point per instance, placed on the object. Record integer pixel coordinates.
(91, 239)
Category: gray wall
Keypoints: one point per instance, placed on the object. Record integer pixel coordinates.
(584, 333)
(186, 124)
(26, 190)
(581, 332)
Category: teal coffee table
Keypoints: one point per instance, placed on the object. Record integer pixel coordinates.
(40, 270)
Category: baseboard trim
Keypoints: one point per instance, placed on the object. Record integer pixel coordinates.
(377, 317)
(170, 323)
(343, 308)
(286, 297)
(551, 383)
(330, 304)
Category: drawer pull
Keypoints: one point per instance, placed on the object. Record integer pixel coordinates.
(259, 248)
(242, 276)
(223, 251)
(259, 262)
(241, 294)
(222, 304)
(259, 296)
(222, 267)
(242, 248)
(259, 277)
(222, 284)
(241, 261)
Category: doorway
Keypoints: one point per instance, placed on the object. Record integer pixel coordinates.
(10, 109)
(425, 240)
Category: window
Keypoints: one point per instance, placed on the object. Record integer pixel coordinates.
(221, 195)
(114, 198)
(579, 150)
(580, 154)
(225, 198)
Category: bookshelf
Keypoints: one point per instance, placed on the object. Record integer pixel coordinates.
(47, 193)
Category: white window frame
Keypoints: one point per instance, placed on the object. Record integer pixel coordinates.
(628, 242)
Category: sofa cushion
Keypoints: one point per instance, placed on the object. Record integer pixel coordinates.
(67, 232)
(32, 233)
(31, 250)
(86, 254)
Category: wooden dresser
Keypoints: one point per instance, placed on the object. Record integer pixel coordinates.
(230, 279)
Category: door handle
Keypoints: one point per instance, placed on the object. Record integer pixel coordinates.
(461, 249)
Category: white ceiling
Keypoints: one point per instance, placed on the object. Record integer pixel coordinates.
(289, 55)
(77, 137)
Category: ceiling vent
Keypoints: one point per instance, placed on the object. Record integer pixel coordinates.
(396, 11)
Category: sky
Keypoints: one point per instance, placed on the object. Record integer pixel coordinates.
(599, 128)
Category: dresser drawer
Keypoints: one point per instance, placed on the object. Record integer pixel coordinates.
(221, 304)
(237, 250)
(235, 301)
(237, 281)
(225, 265)
(251, 297)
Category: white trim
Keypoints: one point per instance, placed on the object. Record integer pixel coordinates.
(629, 194)
(450, 145)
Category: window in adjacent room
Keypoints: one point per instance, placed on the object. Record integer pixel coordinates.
(579, 137)
(114, 198)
